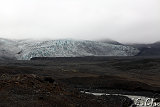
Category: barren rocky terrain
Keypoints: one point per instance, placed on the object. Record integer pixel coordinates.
(58, 81)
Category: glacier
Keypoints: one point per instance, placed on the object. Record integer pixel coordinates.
(27, 49)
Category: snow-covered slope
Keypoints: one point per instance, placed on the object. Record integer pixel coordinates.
(67, 48)
(8, 49)
(110, 41)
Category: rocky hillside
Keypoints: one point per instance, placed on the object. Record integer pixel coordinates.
(30, 90)
(26, 49)
(148, 49)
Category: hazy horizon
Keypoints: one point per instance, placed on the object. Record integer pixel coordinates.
(125, 21)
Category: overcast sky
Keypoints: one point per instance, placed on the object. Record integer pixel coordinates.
(121, 20)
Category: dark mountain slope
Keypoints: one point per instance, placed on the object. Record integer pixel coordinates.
(148, 49)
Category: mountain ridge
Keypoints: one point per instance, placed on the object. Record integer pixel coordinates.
(152, 49)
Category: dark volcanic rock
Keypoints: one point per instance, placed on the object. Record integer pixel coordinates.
(109, 82)
(148, 49)
(30, 90)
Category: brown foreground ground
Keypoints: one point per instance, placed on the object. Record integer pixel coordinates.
(56, 81)
(34, 91)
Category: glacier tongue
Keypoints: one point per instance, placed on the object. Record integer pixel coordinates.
(67, 48)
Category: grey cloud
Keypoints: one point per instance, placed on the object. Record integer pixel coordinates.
(121, 20)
